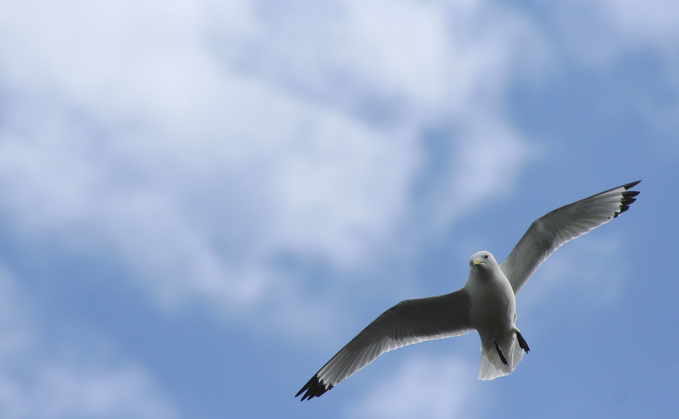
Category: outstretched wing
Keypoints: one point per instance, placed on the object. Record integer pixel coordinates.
(408, 322)
(555, 228)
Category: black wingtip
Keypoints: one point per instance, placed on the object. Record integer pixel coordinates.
(628, 197)
(314, 388)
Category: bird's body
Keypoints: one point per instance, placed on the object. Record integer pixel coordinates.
(493, 315)
(486, 303)
(493, 305)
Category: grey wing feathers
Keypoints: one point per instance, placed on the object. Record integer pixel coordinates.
(408, 322)
(557, 227)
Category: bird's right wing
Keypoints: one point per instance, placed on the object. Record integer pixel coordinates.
(408, 322)
(557, 227)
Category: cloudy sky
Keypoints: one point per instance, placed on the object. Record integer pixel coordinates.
(202, 201)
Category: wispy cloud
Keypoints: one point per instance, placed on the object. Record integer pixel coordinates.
(651, 23)
(43, 376)
(422, 387)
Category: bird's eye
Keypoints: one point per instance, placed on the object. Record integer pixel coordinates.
(485, 256)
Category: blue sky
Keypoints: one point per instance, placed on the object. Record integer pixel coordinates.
(201, 202)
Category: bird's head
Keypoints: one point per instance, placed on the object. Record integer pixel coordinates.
(482, 260)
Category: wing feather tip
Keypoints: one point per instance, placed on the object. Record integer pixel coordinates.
(631, 185)
(628, 198)
(314, 388)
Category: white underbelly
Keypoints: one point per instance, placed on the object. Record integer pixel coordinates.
(493, 311)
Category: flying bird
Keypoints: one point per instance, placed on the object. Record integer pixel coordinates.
(486, 302)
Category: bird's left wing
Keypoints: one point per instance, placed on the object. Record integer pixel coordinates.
(408, 322)
(557, 227)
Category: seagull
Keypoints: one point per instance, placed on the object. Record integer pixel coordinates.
(486, 303)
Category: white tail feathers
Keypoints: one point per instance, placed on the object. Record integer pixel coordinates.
(491, 363)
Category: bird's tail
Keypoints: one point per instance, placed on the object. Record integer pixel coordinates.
(499, 358)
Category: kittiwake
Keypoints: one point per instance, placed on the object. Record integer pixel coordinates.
(486, 302)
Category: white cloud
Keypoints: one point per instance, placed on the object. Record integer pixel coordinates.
(652, 21)
(422, 388)
(47, 377)
(66, 391)
(197, 151)
(399, 46)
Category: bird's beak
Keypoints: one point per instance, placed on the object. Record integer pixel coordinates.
(477, 262)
